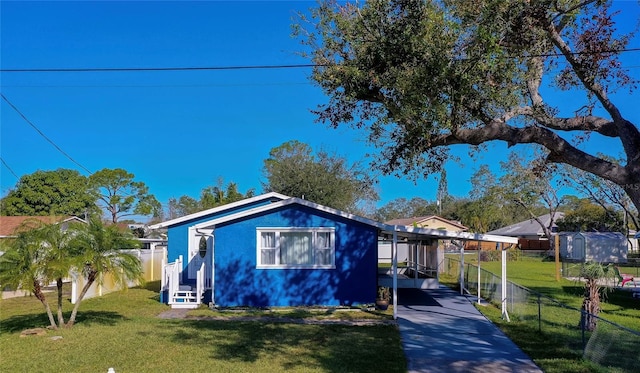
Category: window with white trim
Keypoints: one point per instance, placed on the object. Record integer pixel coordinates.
(296, 247)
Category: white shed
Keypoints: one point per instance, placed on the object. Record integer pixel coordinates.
(601, 247)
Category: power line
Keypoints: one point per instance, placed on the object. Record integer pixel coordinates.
(178, 68)
(255, 67)
(42, 134)
(158, 85)
(9, 168)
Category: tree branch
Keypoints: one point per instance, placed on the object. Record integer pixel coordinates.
(560, 150)
(536, 66)
(628, 133)
(597, 124)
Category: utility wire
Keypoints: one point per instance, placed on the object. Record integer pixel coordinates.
(180, 68)
(42, 134)
(9, 168)
(252, 67)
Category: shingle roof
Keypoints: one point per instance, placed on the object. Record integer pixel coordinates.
(528, 227)
(9, 224)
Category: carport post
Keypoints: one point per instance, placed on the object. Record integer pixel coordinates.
(479, 248)
(394, 269)
(462, 269)
(503, 281)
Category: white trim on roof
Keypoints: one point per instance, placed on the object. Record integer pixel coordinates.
(289, 201)
(403, 231)
(74, 218)
(168, 223)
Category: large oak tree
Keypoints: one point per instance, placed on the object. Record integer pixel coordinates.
(421, 76)
(293, 169)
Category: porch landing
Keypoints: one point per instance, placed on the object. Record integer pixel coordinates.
(406, 282)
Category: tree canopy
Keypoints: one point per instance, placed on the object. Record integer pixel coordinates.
(120, 195)
(58, 192)
(586, 216)
(210, 197)
(294, 170)
(421, 76)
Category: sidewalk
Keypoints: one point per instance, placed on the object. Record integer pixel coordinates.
(442, 331)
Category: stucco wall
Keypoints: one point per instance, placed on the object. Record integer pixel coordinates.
(239, 283)
(178, 235)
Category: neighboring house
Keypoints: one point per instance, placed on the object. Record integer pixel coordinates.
(422, 258)
(10, 225)
(273, 250)
(530, 232)
(433, 222)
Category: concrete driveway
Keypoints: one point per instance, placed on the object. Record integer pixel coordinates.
(442, 331)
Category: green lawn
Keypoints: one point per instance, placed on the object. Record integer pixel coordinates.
(539, 275)
(554, 341)
(122, 330)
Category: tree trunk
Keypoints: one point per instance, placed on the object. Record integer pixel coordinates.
(60, 315)
(591, 304)
(37, 291)
(633, 191)
(90, 279)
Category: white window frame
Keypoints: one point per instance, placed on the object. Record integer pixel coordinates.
(314, 243)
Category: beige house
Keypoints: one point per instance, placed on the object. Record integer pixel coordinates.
(432, 222)
(421, 259)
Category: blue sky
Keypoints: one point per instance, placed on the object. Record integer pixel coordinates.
(180, 131)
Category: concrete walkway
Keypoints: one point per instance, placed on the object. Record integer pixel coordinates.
(442, 331)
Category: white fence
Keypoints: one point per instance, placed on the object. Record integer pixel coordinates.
(151, 260)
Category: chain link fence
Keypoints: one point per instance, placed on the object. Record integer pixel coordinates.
(610, 345)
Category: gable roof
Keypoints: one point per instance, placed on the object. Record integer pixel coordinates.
(385, 229)
(272, 196)
(528, 227)
(9, 224)
(409, 222)
(287, 202)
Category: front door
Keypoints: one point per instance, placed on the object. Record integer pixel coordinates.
(196, 257)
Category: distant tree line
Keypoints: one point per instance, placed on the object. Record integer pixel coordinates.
(524, 188)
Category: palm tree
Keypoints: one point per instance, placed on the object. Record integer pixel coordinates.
(23, 266)
(59, 256)
(99, 246)
(593, 273)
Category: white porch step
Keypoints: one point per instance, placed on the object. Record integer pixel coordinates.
(184, 299)
(190, 306)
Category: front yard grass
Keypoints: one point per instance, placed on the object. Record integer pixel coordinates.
(558, 347)
(122, 330)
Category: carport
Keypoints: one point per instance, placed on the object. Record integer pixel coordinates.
(399, 234)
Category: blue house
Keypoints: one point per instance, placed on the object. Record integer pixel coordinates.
(270, 250)
(274, 250)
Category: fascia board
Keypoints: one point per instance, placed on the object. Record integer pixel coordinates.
(218, 209)
(444, 234)
(290, 201)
